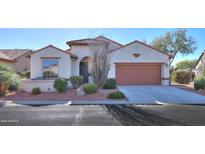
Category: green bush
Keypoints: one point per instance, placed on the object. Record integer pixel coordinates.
(36, 91)
(197, 85)
(110, 84)
(60, 85)
(90, 88)
(24, 74)
(116, 95)
(181, 76)
(202, 83)
(3, 88)
(12, 87)
(28, 74)
(9, 77)
(76, 81)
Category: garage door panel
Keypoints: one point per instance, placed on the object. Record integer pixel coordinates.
(138, 74)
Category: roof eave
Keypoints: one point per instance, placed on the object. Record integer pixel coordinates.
(7, 60)
(136, 41)
(30, 51)
(109, 40)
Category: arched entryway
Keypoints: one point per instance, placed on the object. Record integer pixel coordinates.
(84, 68)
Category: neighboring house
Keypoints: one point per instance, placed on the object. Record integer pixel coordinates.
(200, 65)
(135, 63)
(17, 59)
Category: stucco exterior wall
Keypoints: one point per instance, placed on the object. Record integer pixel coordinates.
(44, 85)
(111, 45)
(64, 62)
(147, 55)
(68, 67)
(23, 63)
(200, 67)
(81, 52)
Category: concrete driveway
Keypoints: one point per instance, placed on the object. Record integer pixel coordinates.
(160, 95)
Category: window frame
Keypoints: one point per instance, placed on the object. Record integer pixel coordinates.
(49, 58)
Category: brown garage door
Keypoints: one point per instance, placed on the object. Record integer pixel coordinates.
(139, 74)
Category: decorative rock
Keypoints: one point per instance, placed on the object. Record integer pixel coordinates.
(80, 92)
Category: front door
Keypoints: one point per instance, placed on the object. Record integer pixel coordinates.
(84, 71)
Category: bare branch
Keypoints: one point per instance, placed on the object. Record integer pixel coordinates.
(100, 64)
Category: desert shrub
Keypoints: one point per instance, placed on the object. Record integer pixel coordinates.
(3, 88)
(110, 84)
(28, 75)
(116, 95)
(36, 91)
(197, 85)
(24, 74)
(13, 81)
(9, 78)
(181, 76)
(202, 83)
(76, 81)
(90, 88)
(12, 87)
(60, 85)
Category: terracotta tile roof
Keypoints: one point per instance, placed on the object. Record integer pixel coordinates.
(109, 40)
(4, 57)
(85, 41)
(14, 53)
(97, 40)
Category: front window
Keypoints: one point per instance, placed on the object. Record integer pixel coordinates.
(50, 68)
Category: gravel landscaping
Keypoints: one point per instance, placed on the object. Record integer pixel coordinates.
(189, 87)
(70, 94)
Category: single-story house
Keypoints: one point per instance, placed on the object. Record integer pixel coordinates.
(135, 63)
(200, 65)
(16, 59)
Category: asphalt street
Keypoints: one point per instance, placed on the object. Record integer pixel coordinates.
(56, 115)
(101, 115)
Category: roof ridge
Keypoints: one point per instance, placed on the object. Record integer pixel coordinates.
(80, 41)
(4, 57)
(14, 53)
(149, 46)
(50, 45)
(109, 40)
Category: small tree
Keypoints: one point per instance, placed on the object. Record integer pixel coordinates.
(100, 64)
(175, 42)
(186, 64)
